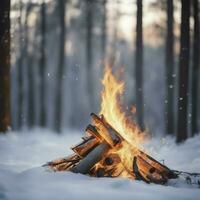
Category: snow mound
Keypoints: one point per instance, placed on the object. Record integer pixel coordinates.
(23, 178)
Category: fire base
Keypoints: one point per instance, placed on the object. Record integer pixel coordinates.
(105, 153)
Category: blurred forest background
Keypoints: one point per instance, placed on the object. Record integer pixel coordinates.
(51, 78)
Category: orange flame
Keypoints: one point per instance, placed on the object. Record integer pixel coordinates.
(113, 112)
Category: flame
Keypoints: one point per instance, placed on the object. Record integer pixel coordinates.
(113, 112)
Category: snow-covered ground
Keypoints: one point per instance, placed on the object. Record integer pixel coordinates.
(22, 178)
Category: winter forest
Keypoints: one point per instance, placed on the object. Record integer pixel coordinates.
(61, 60)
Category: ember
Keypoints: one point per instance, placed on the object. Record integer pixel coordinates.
(111, 147)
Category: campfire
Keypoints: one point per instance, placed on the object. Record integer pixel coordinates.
(111, 147)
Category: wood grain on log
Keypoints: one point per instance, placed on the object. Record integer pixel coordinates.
(63, 164)
(83, 148)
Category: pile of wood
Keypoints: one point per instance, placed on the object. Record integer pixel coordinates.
(97, 155)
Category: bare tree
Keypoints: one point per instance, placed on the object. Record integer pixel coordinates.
(5, 119)
(169, 61)
(182, 123)
(139, 65)
(195, 68)
(61, 65)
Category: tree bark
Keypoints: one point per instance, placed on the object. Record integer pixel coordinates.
(182, 123)
(169, 61)
(195, 68)
(61, 65)
(139, 65)
(5, 118)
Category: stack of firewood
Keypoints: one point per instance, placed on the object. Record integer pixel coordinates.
(98, 155)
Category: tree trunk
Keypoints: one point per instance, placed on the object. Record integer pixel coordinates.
(31, 92)
(30, 74)
(139, 65)
(89, 55)
(20, 71)
(5, 118)
(195, 68)
(182, 123)
(103, 39)
(61, 64)
(42, 65)
(114, 42)
(169, 61)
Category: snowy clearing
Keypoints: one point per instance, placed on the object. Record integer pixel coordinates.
(22, 178)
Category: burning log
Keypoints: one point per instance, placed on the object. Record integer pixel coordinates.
(145, 171)
(153, 170)
(106, 132)
(112, 165)
(158, 166)
(91, 159)
(99, 154)
(63, 164)
(85, 146)
(108, 140)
